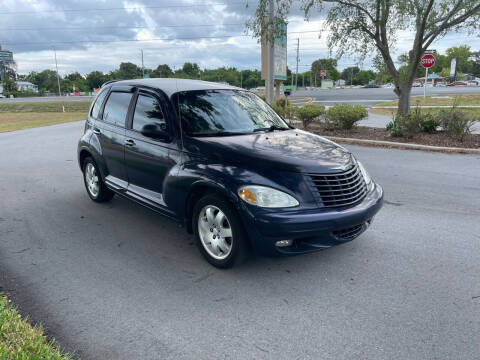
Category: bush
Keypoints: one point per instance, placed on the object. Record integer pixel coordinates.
(283, 108)
(344, 116)
(455, 122)
(412, 124)
(309, 112)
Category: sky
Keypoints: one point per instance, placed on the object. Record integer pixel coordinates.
(100, 34)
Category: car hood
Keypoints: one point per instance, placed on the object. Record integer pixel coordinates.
(290, 150)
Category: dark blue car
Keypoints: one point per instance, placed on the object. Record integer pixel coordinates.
(220, 161)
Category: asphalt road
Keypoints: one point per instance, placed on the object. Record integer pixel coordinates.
(370, 97)
(117, 281)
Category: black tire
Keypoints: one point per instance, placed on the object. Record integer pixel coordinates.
(239, 242)
(104, 194)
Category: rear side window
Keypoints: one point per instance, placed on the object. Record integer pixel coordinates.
(98, 103)
(116, 108)
(148, 110)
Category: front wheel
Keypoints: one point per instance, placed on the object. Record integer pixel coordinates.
(218, 232)
(96, 188)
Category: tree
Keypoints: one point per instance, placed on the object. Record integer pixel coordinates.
(162, 71)
(191, 69)
(127, 71)
(349, 73)
(462, 54)
(362, 26)
(95, 79)
(323, 64)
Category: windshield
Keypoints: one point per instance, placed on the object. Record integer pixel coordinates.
(226, 112)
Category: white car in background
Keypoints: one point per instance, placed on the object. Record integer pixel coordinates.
(388, 85)
(2, 96)
(417, 84)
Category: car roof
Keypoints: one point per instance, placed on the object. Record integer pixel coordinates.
(171, 86)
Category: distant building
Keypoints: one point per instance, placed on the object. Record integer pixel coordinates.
(26, 86)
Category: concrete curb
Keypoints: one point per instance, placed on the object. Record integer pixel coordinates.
(405, 146)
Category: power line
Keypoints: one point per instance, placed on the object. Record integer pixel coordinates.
(116, 27)
(137, 40)
(118, 8)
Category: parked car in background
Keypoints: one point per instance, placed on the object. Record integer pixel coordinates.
(220, 161)
(2, 96)
(458, 83)
(417, 84)
(371, 86)
(389, 85)
(472, 83)
(441, 83)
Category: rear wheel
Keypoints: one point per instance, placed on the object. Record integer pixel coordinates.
(96, 188)
(218, 231)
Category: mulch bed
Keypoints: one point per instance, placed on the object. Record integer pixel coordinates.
(370, 133)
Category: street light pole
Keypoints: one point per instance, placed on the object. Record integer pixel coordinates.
(56, 67)
(270, 48)
(143, 68)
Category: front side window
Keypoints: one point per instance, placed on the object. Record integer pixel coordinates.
(98, 103)
(116, 108)
(147, 111)
(226, 112)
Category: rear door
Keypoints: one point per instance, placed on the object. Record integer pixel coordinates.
(148, 160)
(110, 131)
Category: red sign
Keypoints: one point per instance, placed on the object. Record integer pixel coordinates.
(323, 73)
(428, 60)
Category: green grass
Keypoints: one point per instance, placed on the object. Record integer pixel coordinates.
(25, 120)
(52, 106)
(436, 100)
(19, 340)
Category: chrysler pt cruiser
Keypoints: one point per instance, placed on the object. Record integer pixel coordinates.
(220, 161)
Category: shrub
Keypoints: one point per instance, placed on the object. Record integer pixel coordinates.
(412, 124)
(455, 122)
(344, 116)
(283, 108)
(309, 112)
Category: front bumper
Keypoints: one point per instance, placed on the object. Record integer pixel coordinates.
(311, 230)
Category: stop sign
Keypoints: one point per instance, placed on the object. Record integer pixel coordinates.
(428, 60)
(323, 73)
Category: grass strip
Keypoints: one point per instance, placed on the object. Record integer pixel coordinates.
(19, 121)
(50, 106)
(19, 340)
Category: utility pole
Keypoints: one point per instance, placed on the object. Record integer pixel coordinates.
(270, 49)
(56, 67)
(143, 68)
(241, 79)
(296, 71)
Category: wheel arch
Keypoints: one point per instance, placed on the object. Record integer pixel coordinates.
(200, 189)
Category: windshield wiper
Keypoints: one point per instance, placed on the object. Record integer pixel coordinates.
(271, 128)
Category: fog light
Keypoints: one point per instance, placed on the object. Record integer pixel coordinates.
(283, 243)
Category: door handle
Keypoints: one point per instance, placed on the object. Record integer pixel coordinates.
(96, 131)
(129, 142)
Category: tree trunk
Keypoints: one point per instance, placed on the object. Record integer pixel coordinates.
(403, 92)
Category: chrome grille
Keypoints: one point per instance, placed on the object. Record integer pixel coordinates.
(340, 189)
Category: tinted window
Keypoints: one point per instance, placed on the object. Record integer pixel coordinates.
(223, 112)
(116, 108)
(98, 103)
(148, 110)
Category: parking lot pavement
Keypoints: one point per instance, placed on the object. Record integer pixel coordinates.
(117, 281)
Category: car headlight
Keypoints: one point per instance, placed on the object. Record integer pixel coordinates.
(366, 176)
(266, 197)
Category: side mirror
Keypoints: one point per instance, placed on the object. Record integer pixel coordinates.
(155, 131)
